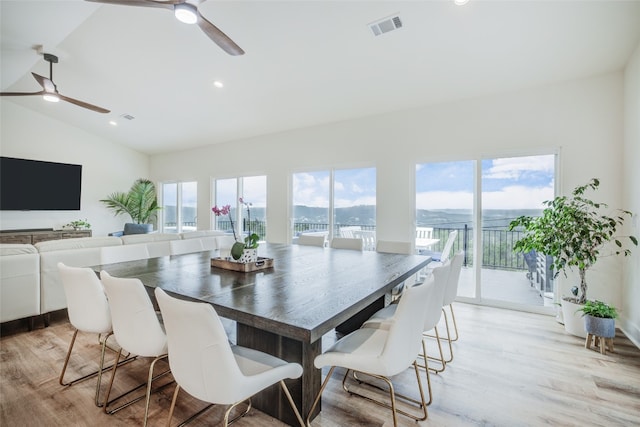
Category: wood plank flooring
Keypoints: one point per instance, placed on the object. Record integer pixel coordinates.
(509, 369)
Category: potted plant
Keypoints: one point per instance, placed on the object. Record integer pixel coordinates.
(78, 225)
(140, 202)
(241, 251)
(599, 318)
(573, 230)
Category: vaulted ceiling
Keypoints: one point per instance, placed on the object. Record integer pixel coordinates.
(306, 62)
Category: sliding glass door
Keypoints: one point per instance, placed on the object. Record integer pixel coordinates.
(478, 199)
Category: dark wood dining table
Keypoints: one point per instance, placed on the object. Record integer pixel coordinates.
(286, 309)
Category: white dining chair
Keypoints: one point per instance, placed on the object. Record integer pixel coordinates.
(433, 309)
(437, 258)
(348, 230)
(393, 247)
(207, 367)
(368, 239)
(312, 240)
(450, 294)
(138, 331)
(383, 352)
(88, 311)
(347, 243)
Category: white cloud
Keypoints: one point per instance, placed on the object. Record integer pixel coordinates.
(513, 167)
(512, 197)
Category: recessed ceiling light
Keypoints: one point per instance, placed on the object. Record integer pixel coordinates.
(218, 84)
(461, 2)
(113, 123)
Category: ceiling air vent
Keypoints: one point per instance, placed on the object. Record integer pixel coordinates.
(127, 116)
(385, 25)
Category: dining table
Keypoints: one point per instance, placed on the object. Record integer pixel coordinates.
(285, 309)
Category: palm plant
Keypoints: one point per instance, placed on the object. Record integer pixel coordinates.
(140, 202)
(572, 230)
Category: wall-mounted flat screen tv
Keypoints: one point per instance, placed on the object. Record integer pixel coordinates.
(37, 185)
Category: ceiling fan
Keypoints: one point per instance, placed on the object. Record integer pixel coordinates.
(189, 14)
(50, 91)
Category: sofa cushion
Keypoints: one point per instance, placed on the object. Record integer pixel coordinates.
(19, 282)
(7, 249)
(151, 237)
(80, 243)
(209, 238)
(158, 244)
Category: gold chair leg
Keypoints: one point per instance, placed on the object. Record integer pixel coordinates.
(440, 359)
(455, 325)
(100, 370)
(173, 405)
(292, 403)
(226, 421)
(148, 385)
(448, 337)
(317, 399)
(392, 394)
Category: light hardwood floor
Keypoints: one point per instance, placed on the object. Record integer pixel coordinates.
(510, 369)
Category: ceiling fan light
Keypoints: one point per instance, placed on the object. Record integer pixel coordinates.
(51, 97)
(185, 12)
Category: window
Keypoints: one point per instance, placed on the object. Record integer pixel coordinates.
(252, 189)
(460, 195)
(179, 207)
(334, 201)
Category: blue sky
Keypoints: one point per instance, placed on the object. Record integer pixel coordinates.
(508, 183)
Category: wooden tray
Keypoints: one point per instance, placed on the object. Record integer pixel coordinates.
(248, 267)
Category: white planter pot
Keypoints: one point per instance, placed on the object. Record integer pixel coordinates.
(573, 321)
(249, 255)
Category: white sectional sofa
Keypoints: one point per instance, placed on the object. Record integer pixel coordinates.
(19, 281)
(29, 282)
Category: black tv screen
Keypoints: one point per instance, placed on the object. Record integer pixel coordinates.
(37, 185)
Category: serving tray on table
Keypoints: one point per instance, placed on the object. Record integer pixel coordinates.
(261, 264)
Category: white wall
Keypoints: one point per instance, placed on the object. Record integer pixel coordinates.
(630, 314)
(583, 119)
(106, 167)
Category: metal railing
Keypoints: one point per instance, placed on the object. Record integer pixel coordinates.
(497, 247)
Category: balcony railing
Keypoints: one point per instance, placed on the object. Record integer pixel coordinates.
(497, 248)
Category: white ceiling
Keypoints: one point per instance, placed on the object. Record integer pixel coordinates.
(306, 62)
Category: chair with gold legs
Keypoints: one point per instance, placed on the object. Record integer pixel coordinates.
(207, 367)
(382, 351)
(88, 311)
(138, 330)
(450, 294)
(433, 311)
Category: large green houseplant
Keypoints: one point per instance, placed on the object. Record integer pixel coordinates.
(140, 203)
(573, 230)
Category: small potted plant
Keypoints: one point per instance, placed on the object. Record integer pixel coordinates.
(599, 319)
(573, 230)
(241, 251)
(78, 225)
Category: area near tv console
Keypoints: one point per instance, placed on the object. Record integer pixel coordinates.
(33, 236)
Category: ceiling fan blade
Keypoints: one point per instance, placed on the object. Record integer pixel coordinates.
(142, 3)
(84, 104)
(218, 37)
(42, 92)
(46, 83)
